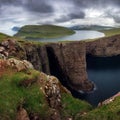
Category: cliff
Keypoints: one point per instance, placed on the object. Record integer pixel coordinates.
(71, 61)
(27, 94)
(67, 61)
(69, 65)
(108, 46)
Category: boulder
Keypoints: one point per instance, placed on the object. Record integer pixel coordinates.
(19, 65)
(22, 114)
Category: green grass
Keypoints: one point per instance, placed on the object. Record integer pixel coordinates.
(13, 95)
(3, 36)
(111, 32)
(106, 112)
(43, 31)
(73, 107)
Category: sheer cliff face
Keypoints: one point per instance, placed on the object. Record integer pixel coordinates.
(71, 58)
(67, 61)
(109, 46)
(37, 55)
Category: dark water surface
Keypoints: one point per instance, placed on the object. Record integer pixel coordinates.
(105, 73)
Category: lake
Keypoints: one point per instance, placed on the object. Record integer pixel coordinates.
(79, 35)
(105, 73)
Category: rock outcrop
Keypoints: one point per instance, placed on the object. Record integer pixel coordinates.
(71, 60)
(22, 114)
(11, 48)
(109, 100)
(37, 55)
(15, 64)
(108, 46)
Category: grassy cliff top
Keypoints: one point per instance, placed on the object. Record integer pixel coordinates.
(43, 31)
(3, 36)
(106, 112)
(111, 32)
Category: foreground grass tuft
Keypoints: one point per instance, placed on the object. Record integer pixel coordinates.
(12, 95)
(106, 112)
(74, 107)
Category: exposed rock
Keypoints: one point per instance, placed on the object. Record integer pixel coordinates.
(53, 93)
(108, 46)
(18, 64)
(109, 100)
(10, 47)
(3, 66)
(37, 55)
(2, 49)
(2, 56)
(55, 115)
(42, 52)
(71, 58)
(22, 114)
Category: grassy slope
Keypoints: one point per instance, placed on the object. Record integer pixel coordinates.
(32, 98)
(3, 36)
(13, 95)
(111, 32)
(106, 112)
(43, 31)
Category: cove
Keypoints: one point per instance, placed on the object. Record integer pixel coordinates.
(79, 35)
(105, 73)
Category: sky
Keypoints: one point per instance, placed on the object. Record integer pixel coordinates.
(17, 13)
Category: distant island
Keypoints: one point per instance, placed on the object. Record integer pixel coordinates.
(43, 31)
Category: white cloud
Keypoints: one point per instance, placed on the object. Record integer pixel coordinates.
(11, 15)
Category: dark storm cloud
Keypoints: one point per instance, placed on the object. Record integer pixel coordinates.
(70, 16)
(79, 14)
(47, 6)
(41, 6)
(89, 3)
(10, 2)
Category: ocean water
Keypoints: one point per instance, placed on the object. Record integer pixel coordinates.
(105, 73)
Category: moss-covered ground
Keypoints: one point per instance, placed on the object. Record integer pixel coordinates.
(3, 36)
(111, 32)
(13, 95)
(106, 112)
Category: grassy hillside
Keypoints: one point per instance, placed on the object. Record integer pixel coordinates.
(111, 32)
(3, 36)
(17, 91)
(106, 112)
(43, 31)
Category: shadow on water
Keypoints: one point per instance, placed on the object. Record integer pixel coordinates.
(105, 73)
